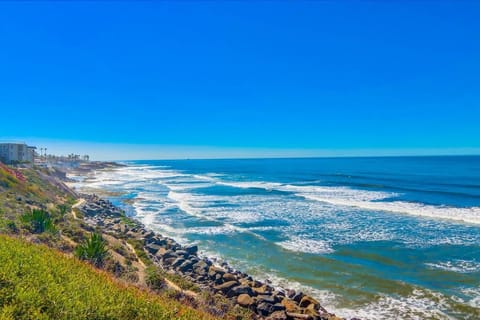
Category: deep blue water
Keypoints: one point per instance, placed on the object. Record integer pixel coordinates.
(381, 238)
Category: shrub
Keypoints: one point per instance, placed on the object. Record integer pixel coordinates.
(38, 221)
(63, 208)
(93, 250)
(154, 279)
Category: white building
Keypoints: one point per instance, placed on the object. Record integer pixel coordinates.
(16, 153)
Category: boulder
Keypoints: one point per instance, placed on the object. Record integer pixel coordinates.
(307, 301)
(267, 299)
(215, 270)
(290, 305)
(238, 290)
(152, 248)
(229, 277)
(263, 289)
(290, 293)
(161, 252)
(245, 300)
(186, 266)
(225, 287)
(264, 308)
(298, 296)
(201, 264)
(178, 262)
(182, 253)
(169, 254)
(277, 315)
(192, 250)
(311, 310)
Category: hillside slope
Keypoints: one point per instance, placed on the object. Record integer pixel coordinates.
(37, 282)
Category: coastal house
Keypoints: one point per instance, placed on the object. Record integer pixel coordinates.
(16, 152)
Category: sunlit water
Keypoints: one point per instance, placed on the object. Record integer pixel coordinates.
(378, 238)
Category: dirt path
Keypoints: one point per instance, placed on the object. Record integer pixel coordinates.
(140, 265)
(79, 203)
(170, 284)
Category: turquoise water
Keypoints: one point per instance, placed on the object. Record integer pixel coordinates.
(379, 238)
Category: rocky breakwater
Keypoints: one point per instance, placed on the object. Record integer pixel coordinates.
(265, 300)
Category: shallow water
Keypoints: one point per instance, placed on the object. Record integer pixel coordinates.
(379, 238)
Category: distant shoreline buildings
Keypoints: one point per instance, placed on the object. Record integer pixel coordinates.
(17, 152)
(20, 153)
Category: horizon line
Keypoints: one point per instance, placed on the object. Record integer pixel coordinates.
(300, 157)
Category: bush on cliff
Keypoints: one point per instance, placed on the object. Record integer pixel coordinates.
(93, 250)
(38, 221)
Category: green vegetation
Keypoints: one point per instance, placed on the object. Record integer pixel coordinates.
(93, 250)
(154, 279)
(38, 221)
(142, 255)
(183, 283)
(37, 282)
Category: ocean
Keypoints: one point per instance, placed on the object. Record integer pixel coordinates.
(376, 238)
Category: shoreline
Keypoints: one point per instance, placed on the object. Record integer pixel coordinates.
(262, 298)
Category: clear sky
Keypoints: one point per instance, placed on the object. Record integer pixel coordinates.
(126, 80)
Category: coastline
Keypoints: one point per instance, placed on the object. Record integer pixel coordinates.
(220, 279)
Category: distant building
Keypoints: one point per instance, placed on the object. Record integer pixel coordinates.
(16, 153)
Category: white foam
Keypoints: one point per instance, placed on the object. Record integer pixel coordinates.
(473, 295)
(298, 244)
(369, 200)
(419, 305)
(459, 265)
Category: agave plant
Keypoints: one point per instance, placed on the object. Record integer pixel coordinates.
(93, 250)
(38, 221)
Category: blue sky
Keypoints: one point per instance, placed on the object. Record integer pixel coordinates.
(126, 80)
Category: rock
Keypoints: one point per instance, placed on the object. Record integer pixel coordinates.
(178, 262)
(160, 242)
(186, 266)
(225, 287)
(298, 296)
(264, 308)
(277, 315)
(329, 316)
(192, 250)
(169, 254)
(263, 289)
(200, 271)
(290, 305)
(311, 310)
(290, 293)
(161, 252)
(229, 277)
(300, 316)
(307, 301)
(245, 300)
(278, 307)
(169, 261)
(147, 236)
(215, 270)
(182, 253)
(152, 248)
(218, 278)
(201, 264)
(235, 291)
(267, 299)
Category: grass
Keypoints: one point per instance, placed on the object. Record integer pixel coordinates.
(142, 255)
(37, 282)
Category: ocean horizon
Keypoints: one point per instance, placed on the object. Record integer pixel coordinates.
(372, 237)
